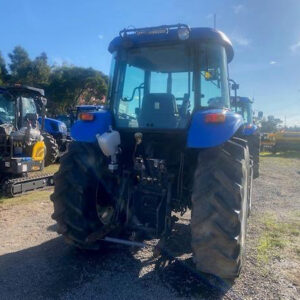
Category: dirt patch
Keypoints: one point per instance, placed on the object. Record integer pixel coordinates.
(24, 221)
(35, 263)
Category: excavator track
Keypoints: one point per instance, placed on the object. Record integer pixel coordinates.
(18, 186)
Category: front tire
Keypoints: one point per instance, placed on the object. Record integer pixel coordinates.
(219, 209)
(51, 149)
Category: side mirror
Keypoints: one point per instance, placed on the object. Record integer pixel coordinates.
(235, 86)
(44, 101)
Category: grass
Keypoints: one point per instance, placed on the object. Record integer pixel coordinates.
(26, 198)
(51, 169)
(285, 154)
(283, 159)
(279, 237)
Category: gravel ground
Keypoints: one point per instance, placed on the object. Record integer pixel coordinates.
(35, 263)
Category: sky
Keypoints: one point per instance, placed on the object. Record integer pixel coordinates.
(265, 36)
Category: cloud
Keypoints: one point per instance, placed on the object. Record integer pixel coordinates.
(58, 61)
(238, 8)
(240, 40)
(273, 62)
(100, 36)
(246, 68)
(294, 48)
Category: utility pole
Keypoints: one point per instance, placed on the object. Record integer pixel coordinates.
(285, 122)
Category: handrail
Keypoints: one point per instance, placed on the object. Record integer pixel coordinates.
(123, 33)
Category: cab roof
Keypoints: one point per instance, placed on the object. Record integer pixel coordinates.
(22, 89)
(89, 106)
(168, 34)
(241, 100)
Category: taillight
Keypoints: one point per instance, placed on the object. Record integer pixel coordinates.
(215, 118)
(86, 116)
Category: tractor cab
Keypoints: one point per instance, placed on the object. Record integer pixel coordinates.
(243, 106)
(20, 105)
(161, 76)
(166, 80)
(250, 132)
(7, 109)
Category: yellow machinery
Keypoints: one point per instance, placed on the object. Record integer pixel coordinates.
(22, 140)
(281, 141)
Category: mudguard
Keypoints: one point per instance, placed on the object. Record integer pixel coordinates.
(250, 130)
(206, 135)
(85, 131)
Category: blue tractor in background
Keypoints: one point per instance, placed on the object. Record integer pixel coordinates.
(162, 147)
(251, 132)
(87, 108)
(73, 115)
(57, 129)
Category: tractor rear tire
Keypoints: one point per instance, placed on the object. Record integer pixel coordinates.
(220, 209)
(51, 149)
(75, 193)
(254, 149)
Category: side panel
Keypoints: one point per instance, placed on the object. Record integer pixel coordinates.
(53, 126)
(85, 131)
(206, 135)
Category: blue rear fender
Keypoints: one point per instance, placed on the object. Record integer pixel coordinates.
(250, 129)
(85, 131)
(205, 135)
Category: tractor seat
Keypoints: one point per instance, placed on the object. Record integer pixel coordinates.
(159, 111)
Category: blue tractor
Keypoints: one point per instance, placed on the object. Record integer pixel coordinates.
(251, 132)
(87, 108)
(73, 114)
(161, 147)
(57, 145)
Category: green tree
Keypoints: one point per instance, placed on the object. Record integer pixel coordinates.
(271, 124)
(65, 86)
(39, 70)
(3, 70)
(20, 65)
(70, 85)
(26, 71)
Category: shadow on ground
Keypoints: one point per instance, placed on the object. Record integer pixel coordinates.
(52, 269)
(176, 269)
